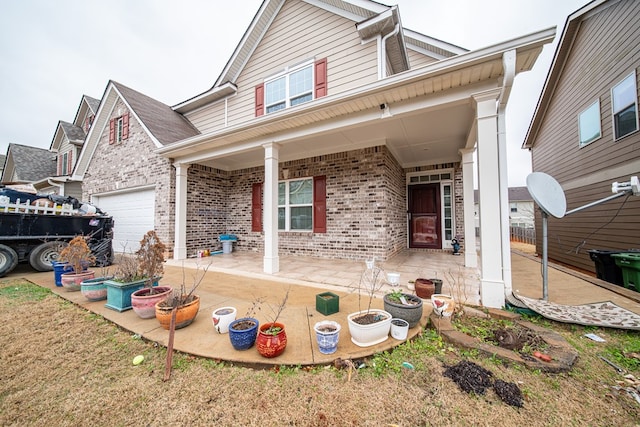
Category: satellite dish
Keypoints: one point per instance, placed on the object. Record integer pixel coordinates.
(547, 193)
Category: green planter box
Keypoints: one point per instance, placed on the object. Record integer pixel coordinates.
(629, 263)
(327, 303)
(119, 294)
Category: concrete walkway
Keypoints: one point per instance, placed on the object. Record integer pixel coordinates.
(306, 277)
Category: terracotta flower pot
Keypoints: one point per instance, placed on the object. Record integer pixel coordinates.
(144, 305)
(184, 316)
(271, 344)
(424, 288)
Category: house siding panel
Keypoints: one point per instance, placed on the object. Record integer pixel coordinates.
(605, 50)
(417, 59)
(320, 34)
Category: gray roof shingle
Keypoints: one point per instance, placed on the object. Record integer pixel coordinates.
(74, 133)
(165, 124)
(32, 163)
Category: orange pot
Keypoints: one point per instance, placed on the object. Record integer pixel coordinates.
(271, 345)
(184, 315)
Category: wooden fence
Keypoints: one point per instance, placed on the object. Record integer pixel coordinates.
(524, 235)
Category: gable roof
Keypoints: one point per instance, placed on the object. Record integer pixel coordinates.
(561, 55)
(160, 122)
(74, 133)
(371, 18)
(28, 164)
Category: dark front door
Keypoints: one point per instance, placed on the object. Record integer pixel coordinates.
(424, 216)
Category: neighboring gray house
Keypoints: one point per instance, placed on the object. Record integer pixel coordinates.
(25, 164)
(353, 138)
(521, 208)
(585, 130)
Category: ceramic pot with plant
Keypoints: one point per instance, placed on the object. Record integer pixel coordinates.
(95, 289)
(272, 338)
(185, 301)
(327, 336)
(243, 333)
(77, 255)
(369, 326)
(404, 306)
(150, 264)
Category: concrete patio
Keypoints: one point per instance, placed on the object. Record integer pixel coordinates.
(236, 280)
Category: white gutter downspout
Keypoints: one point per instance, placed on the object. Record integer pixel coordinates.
(382, 60)
(60, 186)
(509, 66)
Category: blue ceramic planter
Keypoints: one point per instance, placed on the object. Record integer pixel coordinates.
(58, 269)
(243, 339)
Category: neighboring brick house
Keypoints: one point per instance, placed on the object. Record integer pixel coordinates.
(25, 164)
(585, 130)
(119, 169)
(333, 131)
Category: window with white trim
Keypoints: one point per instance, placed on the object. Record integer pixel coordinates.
(624, 102)
(119, 129)
(295, 205)
(289, 89)
(64, 163)
(589, 124)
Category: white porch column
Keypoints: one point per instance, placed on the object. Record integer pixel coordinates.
(470, 253)
(180, 239)
(270, 208)
(492, 285)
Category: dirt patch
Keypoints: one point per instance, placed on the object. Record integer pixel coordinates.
(473, 378)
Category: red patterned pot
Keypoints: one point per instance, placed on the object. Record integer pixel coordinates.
(72, 281)
(271, 344)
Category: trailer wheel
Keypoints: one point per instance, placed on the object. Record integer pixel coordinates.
(43, 255)
(8, 260)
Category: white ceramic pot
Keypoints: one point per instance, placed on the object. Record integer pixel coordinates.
(222, 318)
(371, 334)
(393, 279)
(399, 329)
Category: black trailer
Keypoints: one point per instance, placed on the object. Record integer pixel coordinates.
(36, 234)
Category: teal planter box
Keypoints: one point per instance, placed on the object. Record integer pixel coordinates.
(327, 303)
(119, 294)
(629, 263)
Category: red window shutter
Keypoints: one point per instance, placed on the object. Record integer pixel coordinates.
(259, 107)
(256, 207)
(112, 131)
(69, 162)
(321, 78)
(59, 164)
(125, 126)
(320, 204)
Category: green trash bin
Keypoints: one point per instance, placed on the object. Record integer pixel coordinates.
(630, 265)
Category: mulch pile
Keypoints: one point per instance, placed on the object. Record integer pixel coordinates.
(473, 378)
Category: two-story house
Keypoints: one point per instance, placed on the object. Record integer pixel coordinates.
(584, 132)
(333, 131)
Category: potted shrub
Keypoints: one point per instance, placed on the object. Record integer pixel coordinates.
(369, 326)
(185, 302)
(150, 260)
(244, 331)
(404, 306)
(272, 338)
(77, 255)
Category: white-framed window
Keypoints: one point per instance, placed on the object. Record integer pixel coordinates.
(513, 207)
(295, 205)
(589, 124)
(624, 103)
(119, 129)
(64, 165)
(290, 88)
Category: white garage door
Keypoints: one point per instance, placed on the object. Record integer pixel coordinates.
(133, 213)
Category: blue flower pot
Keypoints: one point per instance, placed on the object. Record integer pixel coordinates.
(58, 269)
(243, 339)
